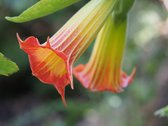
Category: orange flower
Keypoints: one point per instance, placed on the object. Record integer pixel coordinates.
(52, 61)
(103, 71)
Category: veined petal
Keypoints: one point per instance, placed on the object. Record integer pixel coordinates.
(52, 61)
(44, 63)
(103, 71)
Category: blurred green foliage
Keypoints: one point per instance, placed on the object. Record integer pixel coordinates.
(162, 112)
(7, 67)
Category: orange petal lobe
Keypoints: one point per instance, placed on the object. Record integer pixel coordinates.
(102, 82)
(46, 64)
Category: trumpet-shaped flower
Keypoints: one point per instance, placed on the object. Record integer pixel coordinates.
(52, 61)
(103, 71)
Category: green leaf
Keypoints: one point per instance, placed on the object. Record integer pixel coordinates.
(7, 67)
(41, 9)
(163, 112)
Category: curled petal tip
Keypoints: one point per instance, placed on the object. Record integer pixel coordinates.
(127, 80)
(72, 85)
(64, 101)
(47, 43)
(18, 37)
(71, 80)
(132, 75)
(61, 91)
(29, 44)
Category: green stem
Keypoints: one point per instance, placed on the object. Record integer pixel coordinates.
(121, 9)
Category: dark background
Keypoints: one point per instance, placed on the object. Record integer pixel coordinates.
(25, 101)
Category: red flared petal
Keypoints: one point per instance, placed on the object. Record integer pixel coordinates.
(47, 65)
(102, 83)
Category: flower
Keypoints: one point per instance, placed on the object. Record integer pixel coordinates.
(103, 71)
(52, 61)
